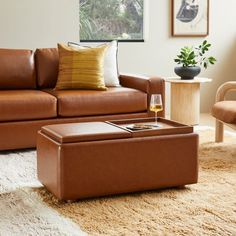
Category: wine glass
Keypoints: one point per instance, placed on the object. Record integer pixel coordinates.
(156, 105)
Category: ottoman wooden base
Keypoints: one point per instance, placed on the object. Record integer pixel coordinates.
(75, 162)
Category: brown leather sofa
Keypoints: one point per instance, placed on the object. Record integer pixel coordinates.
(28, 100)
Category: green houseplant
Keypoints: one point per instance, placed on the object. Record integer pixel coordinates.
(191, 59)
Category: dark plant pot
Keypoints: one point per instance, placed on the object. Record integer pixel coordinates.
(187, 72)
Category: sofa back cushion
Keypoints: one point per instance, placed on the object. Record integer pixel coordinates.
(17, 69)
(47, 65)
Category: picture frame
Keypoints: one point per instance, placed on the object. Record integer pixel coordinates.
(190, 18)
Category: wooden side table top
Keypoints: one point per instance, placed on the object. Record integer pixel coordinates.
(196, 80)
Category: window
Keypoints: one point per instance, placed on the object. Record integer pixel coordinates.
(105, 20)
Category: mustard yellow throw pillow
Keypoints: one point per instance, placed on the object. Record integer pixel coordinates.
(81, 68)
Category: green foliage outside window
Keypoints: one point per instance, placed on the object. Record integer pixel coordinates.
(111, 19)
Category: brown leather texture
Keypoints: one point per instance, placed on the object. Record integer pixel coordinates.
(85, 131)
(149, 85)
(22, 134)
(47, 65)
(118, 100)
(23, 112)
(76, 171)
(49, 164)
(17, 69)
(225, 111)
(26, 105)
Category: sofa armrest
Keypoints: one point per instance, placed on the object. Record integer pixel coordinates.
(149, 85)
(223, 89)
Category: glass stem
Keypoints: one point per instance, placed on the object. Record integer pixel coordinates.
(156, 118)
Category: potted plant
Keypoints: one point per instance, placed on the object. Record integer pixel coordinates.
(191, 59)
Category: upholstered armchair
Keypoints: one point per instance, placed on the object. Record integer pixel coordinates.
(224, 111)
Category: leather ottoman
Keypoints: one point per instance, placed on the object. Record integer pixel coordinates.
(83, 160)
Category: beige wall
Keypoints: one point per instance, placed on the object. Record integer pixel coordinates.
(156, 55)
(38, 23)
(43, 23)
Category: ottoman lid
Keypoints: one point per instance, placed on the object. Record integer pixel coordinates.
(80, 132)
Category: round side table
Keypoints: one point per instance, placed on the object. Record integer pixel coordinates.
(185, 99)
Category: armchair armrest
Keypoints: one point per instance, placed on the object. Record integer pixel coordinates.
(223, 89)
(149, 85)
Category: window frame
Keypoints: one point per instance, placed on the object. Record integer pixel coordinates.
(145, 30)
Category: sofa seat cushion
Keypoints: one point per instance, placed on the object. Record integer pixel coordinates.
(225, 111)
(26, 105)
(73, 103)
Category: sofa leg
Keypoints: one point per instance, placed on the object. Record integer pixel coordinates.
(70, 201)
(219, 131)
(182, 187)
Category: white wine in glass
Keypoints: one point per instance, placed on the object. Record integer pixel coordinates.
(156, 105)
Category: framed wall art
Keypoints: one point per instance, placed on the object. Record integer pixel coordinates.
(190, 18)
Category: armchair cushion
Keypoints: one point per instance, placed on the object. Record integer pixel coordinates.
(225, 111)
(116, 100)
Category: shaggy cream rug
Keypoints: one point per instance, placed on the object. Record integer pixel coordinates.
(22, 210)
(207, 208)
